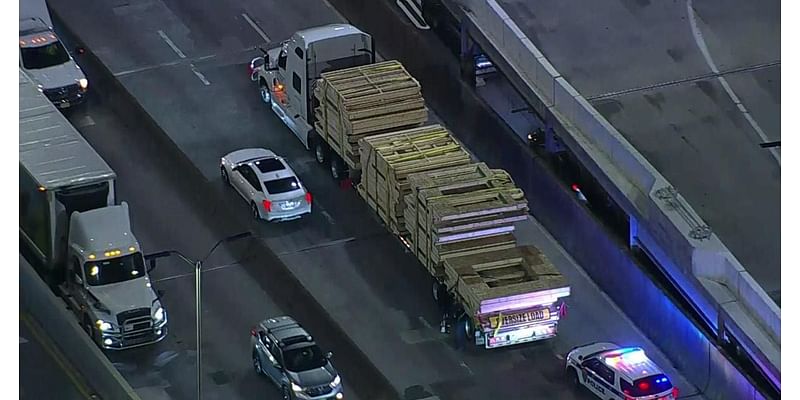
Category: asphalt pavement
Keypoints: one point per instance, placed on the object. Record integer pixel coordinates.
(40, 361)
(671, 77)
(185, 63)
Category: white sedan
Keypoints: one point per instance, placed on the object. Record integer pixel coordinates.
(267, 183)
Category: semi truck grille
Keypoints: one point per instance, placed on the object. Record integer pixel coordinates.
(135, 324)
(319, 390)
(69, 92)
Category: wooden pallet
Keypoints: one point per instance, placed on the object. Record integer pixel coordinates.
(388, 159)
(367, 100)
(501, 273)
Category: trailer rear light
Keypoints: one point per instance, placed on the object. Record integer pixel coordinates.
(308, 197)
(267, 205)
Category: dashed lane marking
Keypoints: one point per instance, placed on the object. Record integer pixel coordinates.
(256, 27)
(171, 44)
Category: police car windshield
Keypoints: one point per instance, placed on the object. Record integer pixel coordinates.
(651, 385)
(114, 270)
(44, 56)
(304, 358)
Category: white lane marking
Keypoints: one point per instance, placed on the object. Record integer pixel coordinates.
(413, 18)
(171, 44)
(559, 356)
(166, 64)
(199, 75)
(701, 43)
(328, 217)
(86, 121)
(424, 322)
(187, 274)
(463, 364)
(22, 340)
(256, 27)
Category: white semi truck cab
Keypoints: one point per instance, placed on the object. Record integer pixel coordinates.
(76, 235)
(288, 73)
(107, 284)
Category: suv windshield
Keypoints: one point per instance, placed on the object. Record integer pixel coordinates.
(282, 185)
(304, 358)
(44, 56)
(114, 270)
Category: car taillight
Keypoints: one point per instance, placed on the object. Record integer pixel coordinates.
(308, 197)
(675, 392)
(267, 205)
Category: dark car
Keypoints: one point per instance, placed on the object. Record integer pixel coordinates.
(288, 355)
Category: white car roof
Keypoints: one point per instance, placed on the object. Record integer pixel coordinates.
(630, 362)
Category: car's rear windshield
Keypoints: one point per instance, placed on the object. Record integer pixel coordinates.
(269, 165)
(282, 185)
(648, 386)
(44, 56)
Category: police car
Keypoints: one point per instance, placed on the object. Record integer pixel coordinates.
(618, 373)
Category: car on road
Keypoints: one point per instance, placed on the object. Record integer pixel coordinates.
(288, 355)
(612, 372)
(267, 183)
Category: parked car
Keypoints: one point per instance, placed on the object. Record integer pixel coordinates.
(265, 180)
(288, 355)
(618, 373)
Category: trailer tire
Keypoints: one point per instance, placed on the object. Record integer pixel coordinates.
(320, 151)
(435, 290)
(338, 168)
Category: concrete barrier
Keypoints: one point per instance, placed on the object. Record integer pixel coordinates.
(36, 299)
(672, 228)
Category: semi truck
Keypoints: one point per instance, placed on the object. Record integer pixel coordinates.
(359, 116)
(45, 58)
(75, 233)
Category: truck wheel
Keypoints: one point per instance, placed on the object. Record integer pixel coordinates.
(338, 168)
(320, 151)
(435, 290)
(266, 96)
(287, 395)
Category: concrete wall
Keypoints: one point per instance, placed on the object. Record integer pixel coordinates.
(635, 185)
(36, 299)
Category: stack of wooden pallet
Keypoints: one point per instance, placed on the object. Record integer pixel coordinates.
(462, 210)
(501, 274)
(388, 159)
(366, 100)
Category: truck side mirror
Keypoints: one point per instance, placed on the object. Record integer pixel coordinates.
(160, 294)
(77, 279)
(151, 264)
(329, 355)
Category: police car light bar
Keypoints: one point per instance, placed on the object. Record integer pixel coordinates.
(629, 356)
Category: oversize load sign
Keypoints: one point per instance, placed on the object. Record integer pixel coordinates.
(520, 318)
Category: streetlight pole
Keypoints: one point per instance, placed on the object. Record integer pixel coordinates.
(198, 268)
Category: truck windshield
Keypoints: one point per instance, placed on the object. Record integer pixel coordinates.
(44, 56)
(114, 270)
(304, 358)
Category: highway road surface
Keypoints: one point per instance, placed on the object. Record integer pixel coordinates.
(338, 271)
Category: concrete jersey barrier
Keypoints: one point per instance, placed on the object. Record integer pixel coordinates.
(36, 299)
(668, 228)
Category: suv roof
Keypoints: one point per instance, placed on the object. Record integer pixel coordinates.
(630, 362)
(286, 331)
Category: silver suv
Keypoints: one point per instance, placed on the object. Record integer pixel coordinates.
(288, 355)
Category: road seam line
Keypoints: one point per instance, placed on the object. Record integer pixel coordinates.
(316, 246)
(187, 274)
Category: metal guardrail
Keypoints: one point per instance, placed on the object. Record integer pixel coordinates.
(36, 299)
(721, 289)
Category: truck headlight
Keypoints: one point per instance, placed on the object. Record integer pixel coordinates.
(336, 381)
(103, 325)
(296, 387)
(159, 314)
(83, 83)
